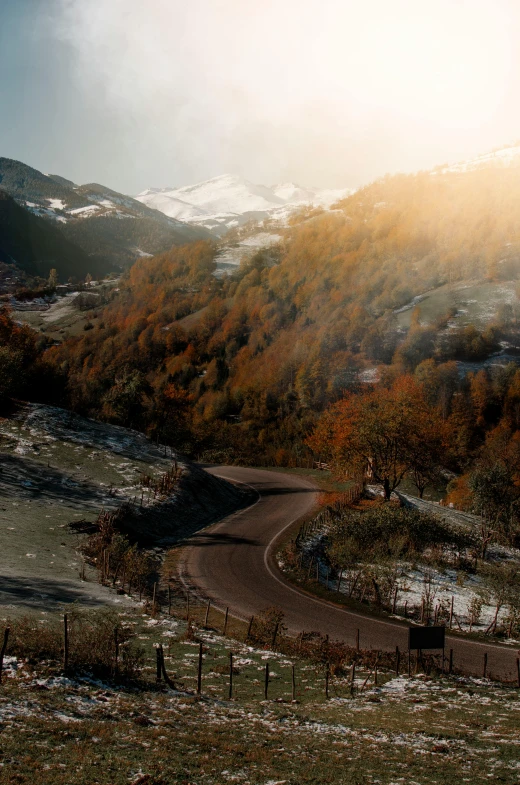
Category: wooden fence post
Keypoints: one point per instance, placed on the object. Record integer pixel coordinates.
(158, 654)
(275, 633)
(166, 678)
(199, 671)
(207, 613)
(225, 621)
(154, 595)
(4, 647)
(353, 678)
(65, 642)
(485, 665)
(116, 651)
(294, 682)
(394, 604)
(266, 681)
(230, 675)
(251, 620)
(357, 640)
(327, 677)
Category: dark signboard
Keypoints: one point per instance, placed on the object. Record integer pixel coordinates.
(426, 637)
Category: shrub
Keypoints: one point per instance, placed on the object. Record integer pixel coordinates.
(92, 643)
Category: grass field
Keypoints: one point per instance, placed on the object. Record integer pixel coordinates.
(63, 731)
(476, 303)
(63, 319)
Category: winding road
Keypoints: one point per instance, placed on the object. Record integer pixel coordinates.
(232, 564)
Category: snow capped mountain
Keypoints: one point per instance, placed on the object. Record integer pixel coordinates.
(505, 156)
(227, 201)
(318, 197)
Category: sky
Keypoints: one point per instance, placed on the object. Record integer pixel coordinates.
(328, 93)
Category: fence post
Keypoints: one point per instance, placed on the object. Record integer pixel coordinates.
(166, 678)
(353, 678)
(154, 595)
(116, 651)
(251, 620)
(357, 640)
(4, 647)
(485, 666)
(230, 675)
(327, 677)
(65, 642)
(225, 621)
(199, 671)
(275, 633)
(294, 683)
(158, 655)
(266, 682)
(207, 613)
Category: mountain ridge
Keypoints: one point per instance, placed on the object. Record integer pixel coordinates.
(228, 201)
(91, 216)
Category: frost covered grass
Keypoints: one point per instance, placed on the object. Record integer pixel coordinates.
(59, 731)
(423, 565)
(63, 319)
(58, 469)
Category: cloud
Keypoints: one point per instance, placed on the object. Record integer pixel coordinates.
(331, 93)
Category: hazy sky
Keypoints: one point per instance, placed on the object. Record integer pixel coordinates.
(133, 93)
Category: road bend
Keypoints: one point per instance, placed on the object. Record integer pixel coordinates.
(232, 563)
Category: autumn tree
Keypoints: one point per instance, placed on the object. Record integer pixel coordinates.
(18, 353)
(385, 433)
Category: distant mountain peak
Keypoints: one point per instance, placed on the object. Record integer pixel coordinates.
(227, 200)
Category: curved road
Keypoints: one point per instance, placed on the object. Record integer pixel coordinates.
(232, 564)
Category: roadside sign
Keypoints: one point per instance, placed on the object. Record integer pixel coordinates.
(426, 637)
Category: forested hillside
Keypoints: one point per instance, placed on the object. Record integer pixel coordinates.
(35, 246)
(110, 228)
(239, 368)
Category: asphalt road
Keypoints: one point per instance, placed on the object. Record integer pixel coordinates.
(232, 564)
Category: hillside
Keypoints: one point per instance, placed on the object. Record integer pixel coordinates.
(115, 733)
(34, 246)
(60, 469)
(228, 201)
(113, 229)
(409, 270)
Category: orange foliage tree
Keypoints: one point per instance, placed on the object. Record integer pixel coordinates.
(386, 433)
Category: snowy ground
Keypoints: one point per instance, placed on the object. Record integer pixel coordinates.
(57, 468)
(436, 588)
(230, 256)
(415, 730)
